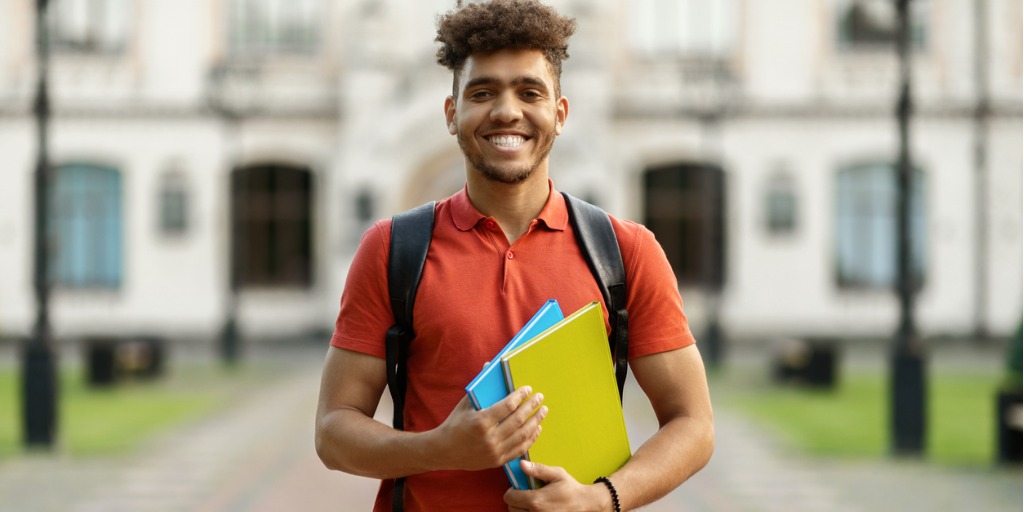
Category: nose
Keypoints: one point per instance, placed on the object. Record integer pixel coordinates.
(505, 108)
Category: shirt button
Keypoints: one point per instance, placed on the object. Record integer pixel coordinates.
(490, 224)
(510, 255)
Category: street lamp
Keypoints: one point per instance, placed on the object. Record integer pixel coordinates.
(907, 382)
(39, 366)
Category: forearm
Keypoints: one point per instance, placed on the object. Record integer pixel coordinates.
(350, 441)
(671, 456)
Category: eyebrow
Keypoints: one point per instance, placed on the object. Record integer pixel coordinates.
(519, 80)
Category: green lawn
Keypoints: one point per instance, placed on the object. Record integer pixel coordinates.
(853, 419)
(115, 420)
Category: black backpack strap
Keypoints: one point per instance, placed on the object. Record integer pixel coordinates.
(600, 247)
(411, 232)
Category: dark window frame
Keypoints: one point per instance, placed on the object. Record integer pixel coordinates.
(684, 206)
(272, 226)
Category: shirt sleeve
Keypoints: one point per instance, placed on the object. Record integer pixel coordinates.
(657, 322)
(365, 313)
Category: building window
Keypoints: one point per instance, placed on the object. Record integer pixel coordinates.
(271, 226)
(86, 227)
(90, 26)
(173, 203)
(873, 23)
(687, 28)
(684, 206)
(275, 26)
(866, 227)
(780, 205)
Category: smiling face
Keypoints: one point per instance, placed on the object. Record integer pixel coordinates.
(506, 114)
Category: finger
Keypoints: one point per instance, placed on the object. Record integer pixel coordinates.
(523, 415)
(518, 441)
(517, 501)
(509, 404)
(544, 473)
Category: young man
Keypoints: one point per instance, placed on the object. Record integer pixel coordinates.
(500, 248)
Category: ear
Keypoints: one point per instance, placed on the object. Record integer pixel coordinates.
(561, 113)
(449, 115)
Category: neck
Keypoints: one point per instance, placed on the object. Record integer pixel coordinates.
(515, 206)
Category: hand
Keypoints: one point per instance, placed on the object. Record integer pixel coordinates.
(473, 440)
(561, 492)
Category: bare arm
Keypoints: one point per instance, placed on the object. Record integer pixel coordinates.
(350, 440)
(676, 385)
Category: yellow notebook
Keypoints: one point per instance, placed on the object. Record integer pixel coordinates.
(584, 431)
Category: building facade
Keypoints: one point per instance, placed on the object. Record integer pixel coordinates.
(217, 159)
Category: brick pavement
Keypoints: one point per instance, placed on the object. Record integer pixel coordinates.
(258, 457)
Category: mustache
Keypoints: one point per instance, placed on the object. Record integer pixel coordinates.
(527, 131)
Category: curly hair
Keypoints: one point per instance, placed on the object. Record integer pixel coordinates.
(503, 25)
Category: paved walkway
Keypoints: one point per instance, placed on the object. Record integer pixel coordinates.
(258, 457)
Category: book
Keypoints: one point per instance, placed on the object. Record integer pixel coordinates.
(584, 431)
(488, 387)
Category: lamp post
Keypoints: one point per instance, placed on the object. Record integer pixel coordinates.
(981, 113)
(39, 366)
(228, 338)
(907, 382)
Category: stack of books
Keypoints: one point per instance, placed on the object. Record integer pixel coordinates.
(567, 359)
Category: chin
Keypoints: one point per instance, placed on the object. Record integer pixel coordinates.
(506, 176)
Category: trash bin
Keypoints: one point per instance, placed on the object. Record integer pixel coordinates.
(140, 357)
(110, 360)
(809, 361)
(1011, 419)
(1009, 411)
(100, 361)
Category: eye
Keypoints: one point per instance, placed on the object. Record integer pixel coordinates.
(480, 94)
(531, 95)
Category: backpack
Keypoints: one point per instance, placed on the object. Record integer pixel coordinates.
(411, 232)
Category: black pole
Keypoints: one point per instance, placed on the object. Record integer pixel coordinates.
(981, 170)
(39, 366)
(907, 384)
(230, 344)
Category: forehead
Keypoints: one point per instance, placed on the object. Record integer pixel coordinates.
(507, 66)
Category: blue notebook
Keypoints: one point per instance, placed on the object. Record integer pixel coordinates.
(488, 388)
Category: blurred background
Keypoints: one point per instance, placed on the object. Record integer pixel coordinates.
(214, 163)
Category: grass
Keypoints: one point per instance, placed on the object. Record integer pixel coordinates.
(852, 420)
(111, 421)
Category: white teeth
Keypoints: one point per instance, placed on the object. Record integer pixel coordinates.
(507, 141)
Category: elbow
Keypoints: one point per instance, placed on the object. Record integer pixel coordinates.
(707, 442)
(326, 449)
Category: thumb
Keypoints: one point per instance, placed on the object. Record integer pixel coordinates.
(546, 474)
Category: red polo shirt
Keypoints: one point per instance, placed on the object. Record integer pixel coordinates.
(475, 294)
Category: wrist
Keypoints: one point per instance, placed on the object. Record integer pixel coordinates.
(610, 494)
(435, 451)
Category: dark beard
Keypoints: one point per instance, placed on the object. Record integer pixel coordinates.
(505, 175)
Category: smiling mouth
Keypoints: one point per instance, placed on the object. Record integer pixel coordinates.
(507, 141)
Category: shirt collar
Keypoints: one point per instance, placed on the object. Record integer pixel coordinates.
(554, 214)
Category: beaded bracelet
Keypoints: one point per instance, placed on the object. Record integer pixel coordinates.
(611, 488)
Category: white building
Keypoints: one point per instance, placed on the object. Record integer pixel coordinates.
(755, 138)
